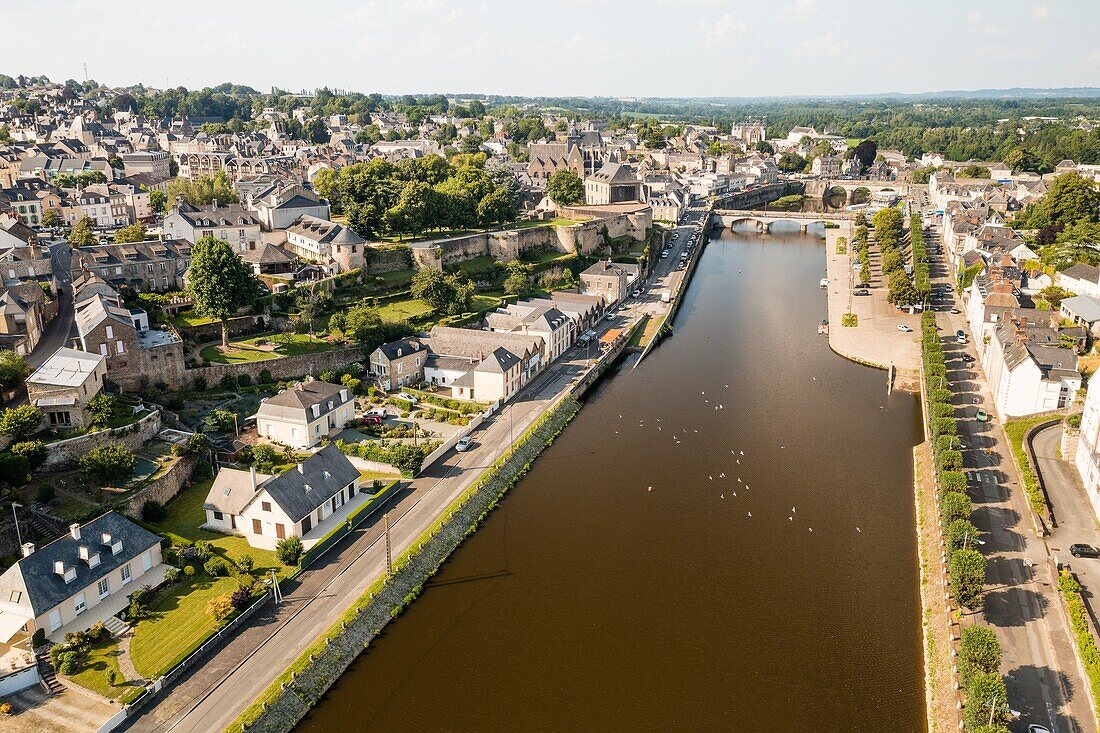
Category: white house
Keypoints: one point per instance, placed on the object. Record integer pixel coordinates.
(1087, 458)
(308, 500)
(81, 578)
(556, 329)
(1081, 279)
(1028, 373)
(303, 414)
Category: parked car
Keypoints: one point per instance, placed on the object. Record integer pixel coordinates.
(1084, 551)
(464, 444)
(960, 337)
(954, 310)
(379, 412)
(1036, 728)
(407, 397)
(862, 292)
(863, 286)
(982, 415)
(372, 421)
(904, 329)
(967, 358)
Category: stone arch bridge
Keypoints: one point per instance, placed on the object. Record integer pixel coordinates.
(763, 220)
(822, 189)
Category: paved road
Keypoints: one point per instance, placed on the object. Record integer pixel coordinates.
(61, 329)
(1039, 665)
(1072, 510)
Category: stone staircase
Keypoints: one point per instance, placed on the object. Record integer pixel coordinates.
(46, 674)
(116, 626)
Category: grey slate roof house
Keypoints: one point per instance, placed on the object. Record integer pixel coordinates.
(83, 577)
(266, 509)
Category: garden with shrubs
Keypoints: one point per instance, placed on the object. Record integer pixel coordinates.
(979, 651)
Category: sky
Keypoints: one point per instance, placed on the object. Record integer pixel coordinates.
(620, 48)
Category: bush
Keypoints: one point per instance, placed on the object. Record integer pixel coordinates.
(940, 395)
(152, 512)
(108, 464)
(954, 505)
(97, 632)
(171, 575)
(985, 693)
(240, 597)
(979, 651)
(246, 563)
(944, 426)
(200, 383)
(45, 494)
(289, 550)
(6, 708)
(216, 567)
(20, 422)
(33, 450)
(229, 382)
(967, 574)
(189, 570)
(953, 481)
(203, 550)
(949, 460)
(265, 376)
(244, 380)
(220, 608)
(68, 663)
(38, 638)
(1074, 421)
(941, 410)
(960, 533)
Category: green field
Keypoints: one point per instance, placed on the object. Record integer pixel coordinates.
(407, 309)
(248, 350)
(102, 660)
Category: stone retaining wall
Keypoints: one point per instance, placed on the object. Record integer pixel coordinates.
(65, 453)
(163, 488)
(309, 686)
(282, 368)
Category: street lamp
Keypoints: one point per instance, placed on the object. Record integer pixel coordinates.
(18, 534)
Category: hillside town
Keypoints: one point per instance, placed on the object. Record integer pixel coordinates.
(232, 343)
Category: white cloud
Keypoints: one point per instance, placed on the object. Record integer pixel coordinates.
(973, 16)
(798, 10)
(1040, 12)
(827, 46)
(992, 31)
(723, 29)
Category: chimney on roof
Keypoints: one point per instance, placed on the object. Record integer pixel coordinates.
(252, 474)
(74, 530)
(28, 549)
(302, 468)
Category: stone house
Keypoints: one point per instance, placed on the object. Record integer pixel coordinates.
(81, 578)
(609, 280)
(399, 363)
(303, 414)
(24, 313)
(153, 265)
(232, 223)
(63, 385)
(613, 183)
(332, 245)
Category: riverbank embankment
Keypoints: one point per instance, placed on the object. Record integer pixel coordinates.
(875, 340)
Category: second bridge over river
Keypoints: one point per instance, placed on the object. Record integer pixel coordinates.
(763, 220)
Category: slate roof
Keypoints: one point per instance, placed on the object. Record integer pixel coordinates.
(401, 348)
(311, 483)
(1081, 271)
(44, 588)
(322, 230)
(295, 402)
(232, 490)
(1085, 307)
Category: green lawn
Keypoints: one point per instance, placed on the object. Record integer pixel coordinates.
(248, 350)
(406, 309)
(473, 266)
(177, 624)
(190, 318)
(184, 516)
(103, 658)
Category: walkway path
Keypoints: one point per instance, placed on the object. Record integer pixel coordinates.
(125, 663)
(875, 341)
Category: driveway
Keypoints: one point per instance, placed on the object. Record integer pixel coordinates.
(69, 712)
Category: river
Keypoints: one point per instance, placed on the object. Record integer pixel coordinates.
(766, 582)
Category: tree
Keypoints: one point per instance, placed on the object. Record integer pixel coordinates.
(973, 171)
(887, 223)
(108, 464)
(979, 651)
(325, 185)
(133, 233)
(1022, 160)
(220, 608)
(891, 261)
(446, 293)
(865, 151)
(52, 219)
(13, 370)
(102, 408)
(33, 450)
(1071, 199)
(362, 323)
(497, 207)
(791, 163)
(158, 200)
(1054, 295)
(517, 282)
(203, 191)
(986, 694)
(410, 214)
(20, 422)
(960, 532)
(565, 188)
(82, 234)
(765, 147)
(967, 571)
(289, 550)
(220, 282)
(14, 469)
(902, 291)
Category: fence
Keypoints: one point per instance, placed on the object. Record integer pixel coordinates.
(353, 520)
(450, 442)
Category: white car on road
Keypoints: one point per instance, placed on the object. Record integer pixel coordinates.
(407, 397)
(904, 329)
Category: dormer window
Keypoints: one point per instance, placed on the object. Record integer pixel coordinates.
(88, 556)
(67, 573)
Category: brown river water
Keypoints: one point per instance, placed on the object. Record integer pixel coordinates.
(767, 582)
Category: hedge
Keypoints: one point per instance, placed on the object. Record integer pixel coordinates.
(1079, 622)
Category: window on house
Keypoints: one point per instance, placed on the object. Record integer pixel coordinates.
(126, 575)
(147, 560)
(80, 604)
(257, 527)
(15, 596)
(104, 588)
(55, 620)
(265, 505)
(219, 516)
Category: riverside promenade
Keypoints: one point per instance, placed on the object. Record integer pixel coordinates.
(876, 340)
